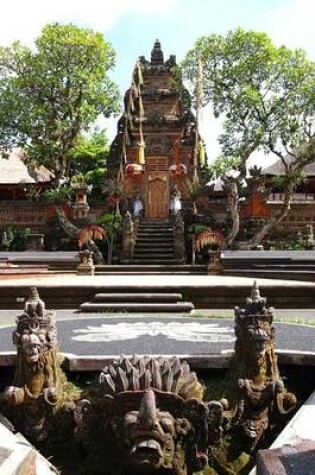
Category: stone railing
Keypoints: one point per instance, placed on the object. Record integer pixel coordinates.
(296, 197)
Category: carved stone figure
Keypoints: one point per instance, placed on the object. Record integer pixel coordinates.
(73, 232)
(128, 236)
(97, 256)
(149, 418)
(35, 389)
(260, 393)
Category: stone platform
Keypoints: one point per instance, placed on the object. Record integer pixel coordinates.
(204, 291)
(89, 342)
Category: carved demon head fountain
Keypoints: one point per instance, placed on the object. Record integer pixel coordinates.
(149, 418)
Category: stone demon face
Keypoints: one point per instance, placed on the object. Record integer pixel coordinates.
(256, 333)
(149, 419)
(32, 346)
(150, 435)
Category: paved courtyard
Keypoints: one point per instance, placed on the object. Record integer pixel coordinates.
(83, 336)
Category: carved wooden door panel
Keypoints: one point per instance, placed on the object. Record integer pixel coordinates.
(157, 188)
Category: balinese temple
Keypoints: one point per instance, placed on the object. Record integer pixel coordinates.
(156, 149)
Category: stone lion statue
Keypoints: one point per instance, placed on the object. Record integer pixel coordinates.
(147, 418)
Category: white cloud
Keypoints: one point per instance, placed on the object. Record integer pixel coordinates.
(24, 19)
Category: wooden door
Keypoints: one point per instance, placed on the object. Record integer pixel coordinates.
(157, 188)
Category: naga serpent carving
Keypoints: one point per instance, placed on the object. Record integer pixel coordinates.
(148, 417)
(35, 389)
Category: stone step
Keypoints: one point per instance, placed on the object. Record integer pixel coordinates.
(148, 229)
(148, 241)
(155, 261)
(137, 307)
(148, 253)
(128, 267)
(155, 224)
(145, 235)
(154, 244)
(139, 297)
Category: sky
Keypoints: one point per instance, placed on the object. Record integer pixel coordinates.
(132, 26)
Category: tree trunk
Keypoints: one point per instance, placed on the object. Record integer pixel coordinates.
(273, 222)
(70, 229)
(233, 210)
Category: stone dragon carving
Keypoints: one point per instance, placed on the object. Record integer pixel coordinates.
(260, 393)
(147, 417)
(35, 389)
(74, 232)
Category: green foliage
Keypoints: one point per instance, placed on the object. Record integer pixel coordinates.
(112, 223)
(264, 94)
(197, 228)
(64, 194)
(15, 239)
(224, 165)
(89, 153)
(50, 95)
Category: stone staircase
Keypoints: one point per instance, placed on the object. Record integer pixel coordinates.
(154, 244)
(153, 253)
(138, 302)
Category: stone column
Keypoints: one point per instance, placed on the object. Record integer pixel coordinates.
(179, 237)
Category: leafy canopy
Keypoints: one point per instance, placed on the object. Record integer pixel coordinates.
(51, 94)
(264, 94)
(266, 98)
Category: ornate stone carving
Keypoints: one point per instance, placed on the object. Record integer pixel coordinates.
(149, 418)
(35, 389)
(157, 57)
(160, 145)
(179, 244)
(86, 265)
(128, 237)
(260, 393)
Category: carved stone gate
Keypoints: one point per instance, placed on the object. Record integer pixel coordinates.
(157, 188)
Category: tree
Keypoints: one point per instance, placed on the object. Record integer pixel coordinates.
(266, 97)
(89, 153)
(88, 159)
(50, 95)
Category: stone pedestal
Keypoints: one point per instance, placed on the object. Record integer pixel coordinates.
(214, 265)
(81, 207)
(86, 266)
(35, 242)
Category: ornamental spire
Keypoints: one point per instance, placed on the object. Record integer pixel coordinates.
(157, 56)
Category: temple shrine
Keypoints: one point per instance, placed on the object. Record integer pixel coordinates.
(157, 148)
(155, 158)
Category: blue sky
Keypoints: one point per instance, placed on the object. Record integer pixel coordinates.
(133, 25)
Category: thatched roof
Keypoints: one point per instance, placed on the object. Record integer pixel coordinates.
(277, 168)
(13, 170)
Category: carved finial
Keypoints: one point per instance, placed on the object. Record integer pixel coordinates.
(34, 293)
(157, 56)
(255, 295)
(34, 306)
